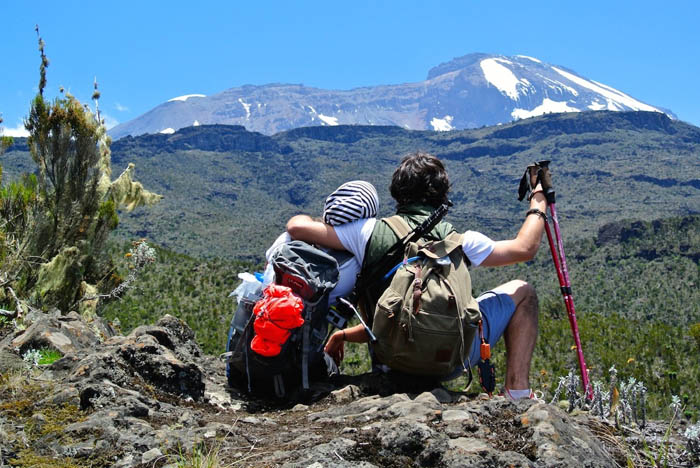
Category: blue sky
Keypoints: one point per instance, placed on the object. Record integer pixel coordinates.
(144, 53)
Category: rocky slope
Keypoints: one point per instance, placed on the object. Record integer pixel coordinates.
(153, 399)
(467, 92)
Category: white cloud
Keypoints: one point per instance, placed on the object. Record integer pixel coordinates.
(18, 131)
(442, 125)
(121, 108)
(110, 121)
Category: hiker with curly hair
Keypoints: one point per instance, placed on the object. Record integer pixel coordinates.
(419, 185)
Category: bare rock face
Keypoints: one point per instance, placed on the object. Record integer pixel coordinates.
(151, 398)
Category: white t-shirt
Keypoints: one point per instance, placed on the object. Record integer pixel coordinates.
(354, 237)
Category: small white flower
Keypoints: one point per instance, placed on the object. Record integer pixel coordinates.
(32, 357)
(675, 404)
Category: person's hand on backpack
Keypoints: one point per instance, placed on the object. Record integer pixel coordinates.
(335, 347)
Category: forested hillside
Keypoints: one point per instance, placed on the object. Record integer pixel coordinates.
(228, 192)
(637, 310)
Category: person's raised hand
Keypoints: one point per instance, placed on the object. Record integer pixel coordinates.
(536, 177)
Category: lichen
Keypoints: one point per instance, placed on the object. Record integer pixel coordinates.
(40, 423)
(88, 308)
(56, 277)
(124, 191)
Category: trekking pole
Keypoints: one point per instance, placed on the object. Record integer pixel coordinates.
(556, 247)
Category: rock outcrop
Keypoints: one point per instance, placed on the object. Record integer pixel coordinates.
(152, 397)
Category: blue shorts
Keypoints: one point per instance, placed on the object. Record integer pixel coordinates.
(496, 308)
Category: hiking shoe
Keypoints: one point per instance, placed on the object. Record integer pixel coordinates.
(533, 396)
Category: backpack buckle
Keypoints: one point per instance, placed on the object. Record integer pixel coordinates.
(335, 319)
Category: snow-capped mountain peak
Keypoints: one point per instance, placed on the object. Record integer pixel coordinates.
(467, 92)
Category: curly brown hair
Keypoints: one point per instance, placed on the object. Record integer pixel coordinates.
(420, 178)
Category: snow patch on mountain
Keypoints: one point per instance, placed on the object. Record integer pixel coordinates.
(186, 97)
(246, 106)
(195, 123)
(442, 125)
(328, 120)
(614, 97)
(529, 58)
(167, 131)
(596, 105)
(548, 106)
(503, 78)
(558, 85)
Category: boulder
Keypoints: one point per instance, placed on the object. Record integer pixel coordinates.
(152, 398)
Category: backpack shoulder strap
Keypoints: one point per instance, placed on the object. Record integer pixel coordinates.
(398, 225)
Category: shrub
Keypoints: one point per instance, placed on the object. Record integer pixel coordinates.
(695, 333)
(55, 225)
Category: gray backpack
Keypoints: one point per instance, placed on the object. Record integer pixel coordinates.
(311, 274)
(426, 320)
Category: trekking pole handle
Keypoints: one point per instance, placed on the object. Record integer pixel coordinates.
(347, 304)
(430, 222)
(544, 177)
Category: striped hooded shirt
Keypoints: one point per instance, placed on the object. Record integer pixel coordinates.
(353, 200)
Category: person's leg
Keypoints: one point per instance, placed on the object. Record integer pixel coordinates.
(520, 334)
(511, 311)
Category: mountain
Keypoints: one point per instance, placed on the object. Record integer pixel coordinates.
(468, 92)
(228, 191)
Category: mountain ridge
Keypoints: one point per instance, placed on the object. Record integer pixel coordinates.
(232, 197)
(466, 92)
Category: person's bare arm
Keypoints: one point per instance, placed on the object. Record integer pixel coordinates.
(303, 227)
(525, 245)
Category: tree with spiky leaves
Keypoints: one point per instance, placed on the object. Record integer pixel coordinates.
(60, 246)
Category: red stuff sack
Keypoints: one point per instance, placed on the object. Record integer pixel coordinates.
(277, 313)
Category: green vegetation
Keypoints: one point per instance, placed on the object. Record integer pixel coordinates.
(646, 329)
(639, 270)
(54, 223)
(228, 192)
(636, 295)
(195, 291)
(48, 356)
(19, 393)
(202, 456)
(5, 142)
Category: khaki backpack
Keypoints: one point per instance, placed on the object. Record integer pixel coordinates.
(426, 320)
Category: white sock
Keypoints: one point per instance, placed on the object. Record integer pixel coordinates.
(518, 394)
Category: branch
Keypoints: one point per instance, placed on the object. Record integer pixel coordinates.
(18, 312)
